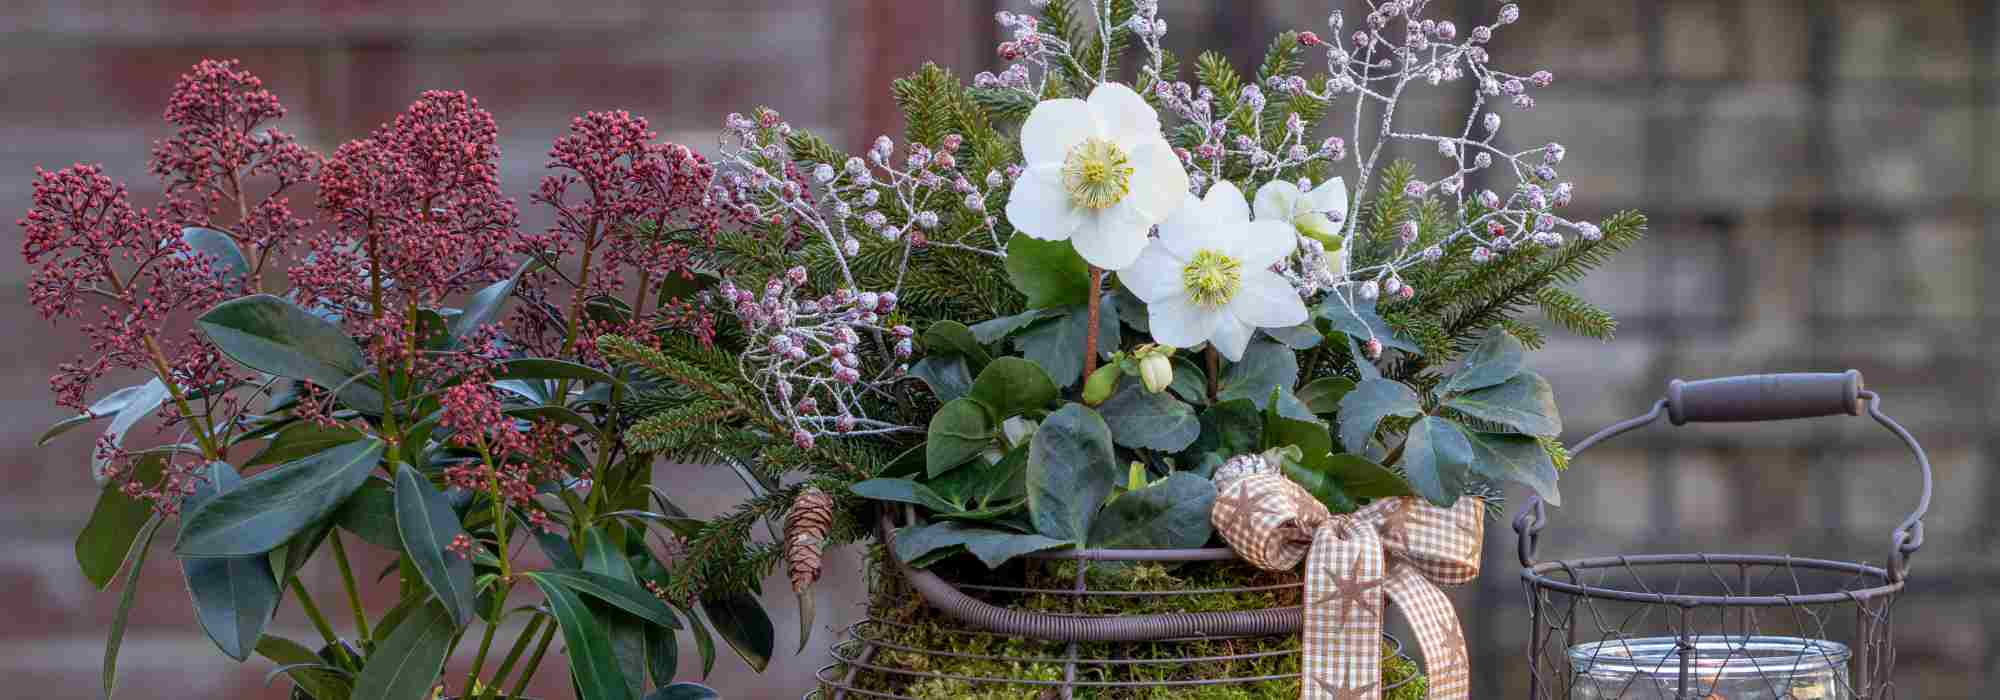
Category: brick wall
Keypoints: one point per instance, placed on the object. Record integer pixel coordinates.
(1820, 175)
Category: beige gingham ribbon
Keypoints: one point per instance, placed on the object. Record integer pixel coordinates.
(1401, 548)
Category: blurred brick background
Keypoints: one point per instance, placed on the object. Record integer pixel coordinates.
(1820, 175)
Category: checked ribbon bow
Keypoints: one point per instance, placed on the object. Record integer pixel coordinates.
(1400, 549)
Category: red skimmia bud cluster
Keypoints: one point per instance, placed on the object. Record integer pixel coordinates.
(221, 151)
(419, 203)
(514, 458)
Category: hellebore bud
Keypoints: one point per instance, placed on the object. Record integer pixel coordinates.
(1099, 385)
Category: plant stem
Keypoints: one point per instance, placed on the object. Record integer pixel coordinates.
(1214, 374)
(485, 645)
(534, 662)
(347, 582)
(1090, 334)
(204, 434)
(514, 653)
(318, 620)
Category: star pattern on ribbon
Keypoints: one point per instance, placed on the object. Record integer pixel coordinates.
(1350, 593)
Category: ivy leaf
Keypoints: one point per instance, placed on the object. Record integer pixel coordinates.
(1517, 458)
(1071, 470)
(1142, 419)
(1363, 323)
(1170, 513)
(234, 597)
(1524, 403)
(1264, 365)
(1497, 359)
(1323, 395)
(1011, 386)
(221, 250)
(904, 491)
(959, 431)
(105, 542)
(947, 375)
(1437, 457)
(1050, 273)
(274, 336)
(274, 505)
(1365, 407)
(992, 547)
(427, 525)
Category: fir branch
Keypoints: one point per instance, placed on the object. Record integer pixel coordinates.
(1575, 315)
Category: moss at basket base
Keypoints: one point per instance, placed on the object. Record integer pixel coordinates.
(906, 622)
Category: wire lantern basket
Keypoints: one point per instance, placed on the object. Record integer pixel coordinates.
(1069, 645)
(1722, 626)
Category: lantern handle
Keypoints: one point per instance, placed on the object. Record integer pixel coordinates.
(1758, 398)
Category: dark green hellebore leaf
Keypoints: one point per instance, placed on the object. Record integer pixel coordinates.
(741, 621)
(992, 547)
(1071, 470)
(1300, 337)
(980, 484)
(1437, 457)
(1172, 513)
(1516, 458)
(273, 336)
(1497, 359)
(1142, 419)
(1011, 386)
(1056, 343)
(905, 491)
(1228, 429)
(953, 338)
(1264, 366)
(105, 542)
(993, 331)
(1323, 395)
(1524, 403)
(234, 597)
(1361, 478)
(1371, 401)
(273, 506)
(959, 431)
(1050, 273)
(948, 376)
(1321, 483)
(1190, 382)
(1363, 323)
(407, 663)
(426, 525)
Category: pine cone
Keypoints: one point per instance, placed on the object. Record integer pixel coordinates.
(805, 536)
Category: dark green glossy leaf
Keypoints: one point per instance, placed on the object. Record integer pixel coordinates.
(485, 305)
(992, 331)
(137, 405)
(662, 654)
(116, 638)
(1371, 401)
(704, 641)
(1190, 381)
(426, 525)
(1171, 513)
(1524, 403)
(303, 439)
(1264, 366)
(592, 663)
(959, 431)
(303, 667)
(554, 414)
(685, 691)
(904, 491)
(979, 483)
(992, 547)
(1304, 336)
(234, 597)
(1056, 343)
(1517, 458)
(1229, 428)
(1497, 359)
(1142, 419)
(620, 593)
(106, 540)
(1361, 478)
(541, 368)
(271, 335)
(948, 376)
(953, 338)
(1437, 457)
(1324, 486)
(1050, 273)
(110, 405)
(1323, 395)
(558, 550)
(407, 663)
(986, 514)
(1362, 323)
(371, 514)
(1071, 470)
(222, 252)
(1011, 386)
(742, 622)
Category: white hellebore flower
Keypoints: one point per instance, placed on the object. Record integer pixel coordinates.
(1099, 174)
(1208, 276)
(1318, 215)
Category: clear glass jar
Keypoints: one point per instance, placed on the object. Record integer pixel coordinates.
(1720, 668)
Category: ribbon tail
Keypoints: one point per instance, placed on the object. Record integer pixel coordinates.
(1342, 654)
(1438, 632)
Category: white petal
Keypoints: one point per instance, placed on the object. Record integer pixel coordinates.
(1276, 199)
(1159, 184)
(1111, 238)
(1329, 196)
(1192, 227)
(1123, 115)
(1039, 207)
(1267, 301)
(1230, 337)
(1226, 203)
(1180, 322)
(1053, 127)
(1261, 244)
(1155, 275)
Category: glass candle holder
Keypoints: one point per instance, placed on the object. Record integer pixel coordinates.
(1718, 668)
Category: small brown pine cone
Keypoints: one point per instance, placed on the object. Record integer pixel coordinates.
(805, 536)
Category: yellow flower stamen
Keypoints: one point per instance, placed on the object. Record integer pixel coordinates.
(1097, 174)
(1212, 278)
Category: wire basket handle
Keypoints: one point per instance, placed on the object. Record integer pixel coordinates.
(1760, 397)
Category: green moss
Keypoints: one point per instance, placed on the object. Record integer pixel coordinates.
(901, 620)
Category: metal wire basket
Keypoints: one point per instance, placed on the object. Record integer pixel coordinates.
(1732, 626)
(1068, 644)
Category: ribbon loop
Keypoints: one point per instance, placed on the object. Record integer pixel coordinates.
(1396, 549)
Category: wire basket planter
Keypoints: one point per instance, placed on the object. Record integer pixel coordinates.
(1058, 636)
(1722, 626)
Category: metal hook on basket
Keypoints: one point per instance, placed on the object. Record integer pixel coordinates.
(1534, 515)
(1908, 537)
